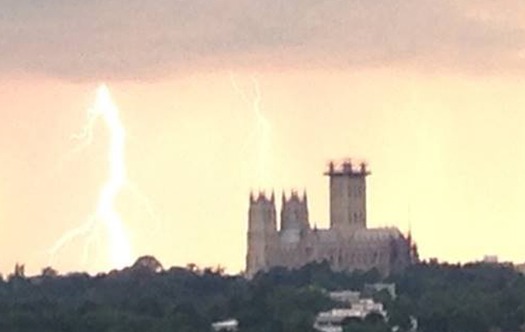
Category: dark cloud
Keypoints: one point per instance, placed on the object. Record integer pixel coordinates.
(117, 39)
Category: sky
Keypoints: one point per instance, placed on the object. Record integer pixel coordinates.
(222, 97)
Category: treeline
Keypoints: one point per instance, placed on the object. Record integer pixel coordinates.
(443, 298)
(141, 299)
(474, 297)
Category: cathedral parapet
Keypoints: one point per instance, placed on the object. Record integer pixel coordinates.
(347, 168)
(261, 197)
(294, 197)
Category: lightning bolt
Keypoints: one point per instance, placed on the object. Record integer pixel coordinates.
(106, 216)
(262, 132)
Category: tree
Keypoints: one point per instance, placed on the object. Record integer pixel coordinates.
(49, 272)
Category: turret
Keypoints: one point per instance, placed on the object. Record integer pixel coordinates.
(347, 196)
(262, 232)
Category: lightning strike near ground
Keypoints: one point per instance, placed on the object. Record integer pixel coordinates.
(105, 215)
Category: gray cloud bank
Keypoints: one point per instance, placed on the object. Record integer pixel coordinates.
(127, 39)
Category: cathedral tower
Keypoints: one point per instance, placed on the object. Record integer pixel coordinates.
(294, 212)
(294, 220)
(262, 233)
(347, 197)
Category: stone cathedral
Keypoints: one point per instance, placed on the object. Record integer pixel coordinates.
(347, 245)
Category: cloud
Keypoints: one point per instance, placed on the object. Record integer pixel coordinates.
(117, 39)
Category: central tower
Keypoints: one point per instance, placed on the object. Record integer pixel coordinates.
(347, 197)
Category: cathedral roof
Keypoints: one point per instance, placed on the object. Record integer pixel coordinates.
(377, 234)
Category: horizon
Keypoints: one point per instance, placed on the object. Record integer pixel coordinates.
(218, 268)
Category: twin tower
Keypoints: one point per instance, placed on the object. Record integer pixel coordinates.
(295, 243)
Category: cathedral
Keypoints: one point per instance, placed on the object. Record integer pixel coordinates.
(346, 245)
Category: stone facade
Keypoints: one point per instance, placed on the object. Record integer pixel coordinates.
(347, 245)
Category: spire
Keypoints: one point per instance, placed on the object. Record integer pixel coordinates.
(363, 168)
(295, 196)
(331, 167)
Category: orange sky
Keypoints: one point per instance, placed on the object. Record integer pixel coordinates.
(437, 112)
(445, 154)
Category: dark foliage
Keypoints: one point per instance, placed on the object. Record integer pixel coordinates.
(470, 298)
